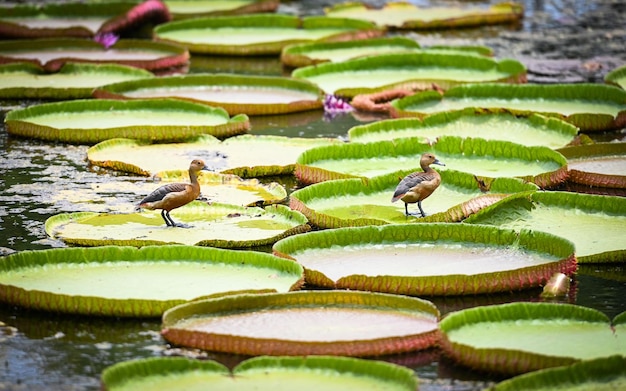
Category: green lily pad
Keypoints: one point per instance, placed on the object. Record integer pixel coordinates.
(132, 282)
(216, 225)
(617, 77)
(305, 54)
(522, 337)
(260, 34)
(259, 373)
(359, 202)
(72, 81)
(78, 19)
(590, 107)
(230, 189)
(428, 259)
(348, 323)
(52, 54)
(95, 120)
(247, 156)
(405, 15)
(597, 165)
(595, 224)
(534, 130)
(183, 9)
(251, 95)
(409, 70)
(485, 159)
(599, 374)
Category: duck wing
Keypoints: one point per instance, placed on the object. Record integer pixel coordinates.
(410, 181)
(162, 191)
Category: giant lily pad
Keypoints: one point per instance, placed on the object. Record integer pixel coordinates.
(409, 70)
(251, 95)
(94, 120)
(73, 81)
(305, 54)
(617, 77)
(485, 159)
(183, 9)
(598, 374)
(358, 202)
(522, 337)
(404, 15)
(429, 259)
(260, 373)
(247, 156)
(126, 281)
(591, 107)
(595, 224)
(534, 130)
(78, 19)
(217, 225)
(51, 54)
(598, 165)
(305, 323)
(260, 34)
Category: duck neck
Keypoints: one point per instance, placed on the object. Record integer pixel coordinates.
(193, 177)
(426, 167)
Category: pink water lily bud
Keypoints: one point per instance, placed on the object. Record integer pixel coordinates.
(333, 105)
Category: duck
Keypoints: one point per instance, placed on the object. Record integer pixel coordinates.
(175, 195)
(419, 185)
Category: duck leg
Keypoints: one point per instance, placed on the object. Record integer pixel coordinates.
(170, 222)
(419, 205)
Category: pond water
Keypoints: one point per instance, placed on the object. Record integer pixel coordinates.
(40, 351)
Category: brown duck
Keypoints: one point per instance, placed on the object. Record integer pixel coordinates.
(417, 186)
(175, 195)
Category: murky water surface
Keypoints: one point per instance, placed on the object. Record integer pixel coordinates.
(40, 179)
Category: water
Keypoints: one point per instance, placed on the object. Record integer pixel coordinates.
(41, 351)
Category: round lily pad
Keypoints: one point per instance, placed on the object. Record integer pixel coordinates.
(260, 34)
(410, 71)
(595, 224)
(246, 156)
(359, 202)
(305, 323)
(52, 54)
(522, 337)
(598, 374)
(251, 95)
(590, 107)
(405, 15)
(184, 9)
(72, 81)
(597, 165)
(259, 373)
(428, 259)
(485, 159)
(217, 225)
(534, 130)
(305, 54)
(91, 120)
(132, 282)
(617, 77)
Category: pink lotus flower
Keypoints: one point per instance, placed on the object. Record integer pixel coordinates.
(335, 105)
(106, 39)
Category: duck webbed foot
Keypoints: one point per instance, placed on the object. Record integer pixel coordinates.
(170, 222)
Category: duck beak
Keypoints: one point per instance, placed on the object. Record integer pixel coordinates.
(438, 162)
